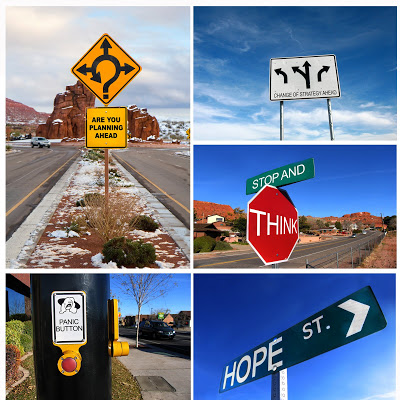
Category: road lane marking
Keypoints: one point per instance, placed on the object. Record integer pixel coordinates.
(37, 187)
(226, 262)
(148, 180)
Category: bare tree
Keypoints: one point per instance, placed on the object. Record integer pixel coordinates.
(17, 306)
(144, 288)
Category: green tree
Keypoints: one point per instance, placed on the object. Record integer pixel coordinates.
(304, 226)
(240, 225)
(320, 224)
(338, 225)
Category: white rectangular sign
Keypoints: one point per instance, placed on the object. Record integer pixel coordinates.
(299, 78)
(68, 313)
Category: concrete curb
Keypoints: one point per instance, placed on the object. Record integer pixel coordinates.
(24, 371)
(24, 240)
(175, 228)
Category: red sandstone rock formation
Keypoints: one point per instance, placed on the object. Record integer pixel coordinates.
(141, 124)
(68, 116)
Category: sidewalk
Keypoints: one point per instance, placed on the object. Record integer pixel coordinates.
(161, 375)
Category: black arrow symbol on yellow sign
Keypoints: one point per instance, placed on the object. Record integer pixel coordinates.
(280, 72)
(96, 77)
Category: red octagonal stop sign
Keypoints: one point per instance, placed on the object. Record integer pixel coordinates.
(272, 225)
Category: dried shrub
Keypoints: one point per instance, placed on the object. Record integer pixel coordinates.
(13, 360)
(144, 223)
(125, 252)
(112, 220)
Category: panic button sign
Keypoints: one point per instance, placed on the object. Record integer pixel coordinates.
(68, 311)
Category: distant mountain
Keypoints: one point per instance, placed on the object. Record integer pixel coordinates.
(20, 114)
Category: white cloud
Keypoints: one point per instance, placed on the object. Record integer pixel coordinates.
(228, 96)
(387, 396)
(53, 39)
(318, 116)
(367, 105)
(208, 113)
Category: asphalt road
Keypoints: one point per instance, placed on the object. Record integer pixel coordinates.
(180, 344)
(164, 172)
(30, 174)
(249, 259)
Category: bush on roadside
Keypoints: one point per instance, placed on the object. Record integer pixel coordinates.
(17, 325)
(97, 198)
(95, 154)
(14, 337)
(223, 246)
(204, 244)
(28, 329)
(26, 342)
(144, 223)
(125, 252)
(19, 317)
(13, 359)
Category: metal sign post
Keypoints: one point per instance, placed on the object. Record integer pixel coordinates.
(299, 78)
(279, 385)
(330, 119)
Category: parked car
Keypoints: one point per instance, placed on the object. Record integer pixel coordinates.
(353, 235)
(40, 141)
(156, 329)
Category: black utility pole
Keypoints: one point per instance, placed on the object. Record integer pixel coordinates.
(92, 380)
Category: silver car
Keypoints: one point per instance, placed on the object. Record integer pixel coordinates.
(40, 141)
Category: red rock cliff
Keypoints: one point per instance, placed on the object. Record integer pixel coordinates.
(141, 124)
(68, 116)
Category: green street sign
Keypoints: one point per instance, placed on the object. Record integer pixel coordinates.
(286, 175)
(160, 315)
(343, 322)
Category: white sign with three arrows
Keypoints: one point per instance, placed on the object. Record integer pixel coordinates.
(299, 78)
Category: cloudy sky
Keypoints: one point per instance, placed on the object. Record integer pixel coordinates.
(232, 49)
(44, 43)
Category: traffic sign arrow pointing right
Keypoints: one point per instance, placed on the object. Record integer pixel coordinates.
(360, 312)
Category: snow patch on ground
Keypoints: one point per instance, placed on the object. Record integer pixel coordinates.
(62, 234)
(97, 261)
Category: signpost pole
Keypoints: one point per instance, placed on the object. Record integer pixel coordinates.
(330, 118)
(281, 120)
(50, 382)
(106, 178)
(279, 386)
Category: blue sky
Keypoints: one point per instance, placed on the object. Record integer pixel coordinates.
(232, 49)
(54, 39)
(236, 312)
(177, 299)
(348, 178)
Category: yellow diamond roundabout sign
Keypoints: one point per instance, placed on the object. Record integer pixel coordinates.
(106, 69)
